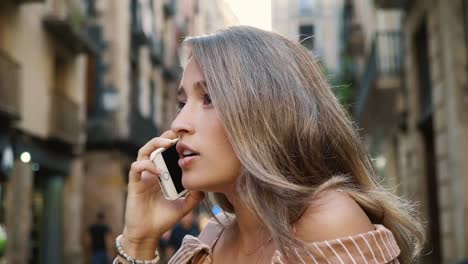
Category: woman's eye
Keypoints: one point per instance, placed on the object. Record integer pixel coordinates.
(206, 99)
(180, 105)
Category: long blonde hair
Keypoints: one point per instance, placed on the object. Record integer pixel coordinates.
(291, 135)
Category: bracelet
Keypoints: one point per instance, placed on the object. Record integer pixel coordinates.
(130, 259)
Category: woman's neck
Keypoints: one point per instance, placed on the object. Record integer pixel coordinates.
(250, 232)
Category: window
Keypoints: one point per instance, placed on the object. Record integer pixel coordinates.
(306, 7)
(146, 17)
(153, 99)
(306, 36)
(465, 9)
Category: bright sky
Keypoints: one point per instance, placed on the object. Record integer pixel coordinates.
(255, 13)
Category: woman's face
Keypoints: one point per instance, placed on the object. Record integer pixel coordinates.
(207, 159)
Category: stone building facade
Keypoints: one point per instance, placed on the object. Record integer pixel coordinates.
(436, 93)
(139, 69)
(83, 85)
(42, 79)
(418, 127)
(315, 23)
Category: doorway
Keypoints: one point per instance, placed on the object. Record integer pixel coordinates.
(426, 130)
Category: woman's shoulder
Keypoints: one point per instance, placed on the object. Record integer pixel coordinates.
(332, 214)
(375, 246)
(337, 230)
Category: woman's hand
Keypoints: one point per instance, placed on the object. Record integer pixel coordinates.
(148, 214)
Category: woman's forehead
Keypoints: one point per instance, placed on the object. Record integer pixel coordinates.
(192, 78)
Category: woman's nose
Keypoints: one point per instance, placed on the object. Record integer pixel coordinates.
(182, 124)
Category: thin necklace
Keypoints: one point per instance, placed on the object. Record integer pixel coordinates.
(249, 253)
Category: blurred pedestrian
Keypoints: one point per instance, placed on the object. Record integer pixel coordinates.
(163, 246)
(261, 132)
(187, 226)
(99, 240)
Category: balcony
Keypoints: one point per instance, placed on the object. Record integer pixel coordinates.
(390, 4)
(67, 24)
(307, 8)
(172, 73)
(101, 130)
(139, 36)
(101, 126)
(65, 123)
(156, 50)
(383, 69)
(354, 40)
(19, 2)
(169, 9)
(9, 87)
(142, 129)
(352, 34)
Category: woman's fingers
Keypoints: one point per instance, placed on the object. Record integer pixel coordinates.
(169, 134)
(163, 141)
(138, 167)
(155, 143)
(181, 207)
(148, 177)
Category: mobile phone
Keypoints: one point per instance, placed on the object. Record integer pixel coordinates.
(170, 178)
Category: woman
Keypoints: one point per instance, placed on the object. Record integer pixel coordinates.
(272, 146)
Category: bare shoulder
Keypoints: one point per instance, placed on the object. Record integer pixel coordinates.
(332, 215)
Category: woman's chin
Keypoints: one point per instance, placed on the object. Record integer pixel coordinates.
(191, 185)
(199, 187)
(201, 184)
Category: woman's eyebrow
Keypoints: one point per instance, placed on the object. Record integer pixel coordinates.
(180, 91)
(199, 86)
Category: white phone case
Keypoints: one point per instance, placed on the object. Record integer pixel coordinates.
(165, 179)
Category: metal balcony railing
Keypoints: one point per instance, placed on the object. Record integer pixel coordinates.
(101, 123)
(169, 8)
(384, 63)
(101, 130)
(139, 36)
(142, 129)
(172, 73)
(72, 9)
(352, 34)
(65, 123)
(68, 23)
(156, 46)
(9, 86)
(18, 2)
(390, 4)
(389, 51)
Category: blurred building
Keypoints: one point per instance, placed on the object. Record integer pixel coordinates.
(43, 48)
(317, 25)
(83, 85)
(133, 99)
(212, 16)
(411, 99)
(133, 96)
(314, 23)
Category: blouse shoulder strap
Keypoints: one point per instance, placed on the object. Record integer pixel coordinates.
(212, 231)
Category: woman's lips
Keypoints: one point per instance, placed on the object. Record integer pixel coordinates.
(186, 161)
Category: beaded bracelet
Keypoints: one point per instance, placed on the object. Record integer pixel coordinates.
(130, 259)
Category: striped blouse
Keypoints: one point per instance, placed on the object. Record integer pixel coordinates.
(374, 247)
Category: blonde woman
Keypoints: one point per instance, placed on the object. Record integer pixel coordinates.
(272, 146)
